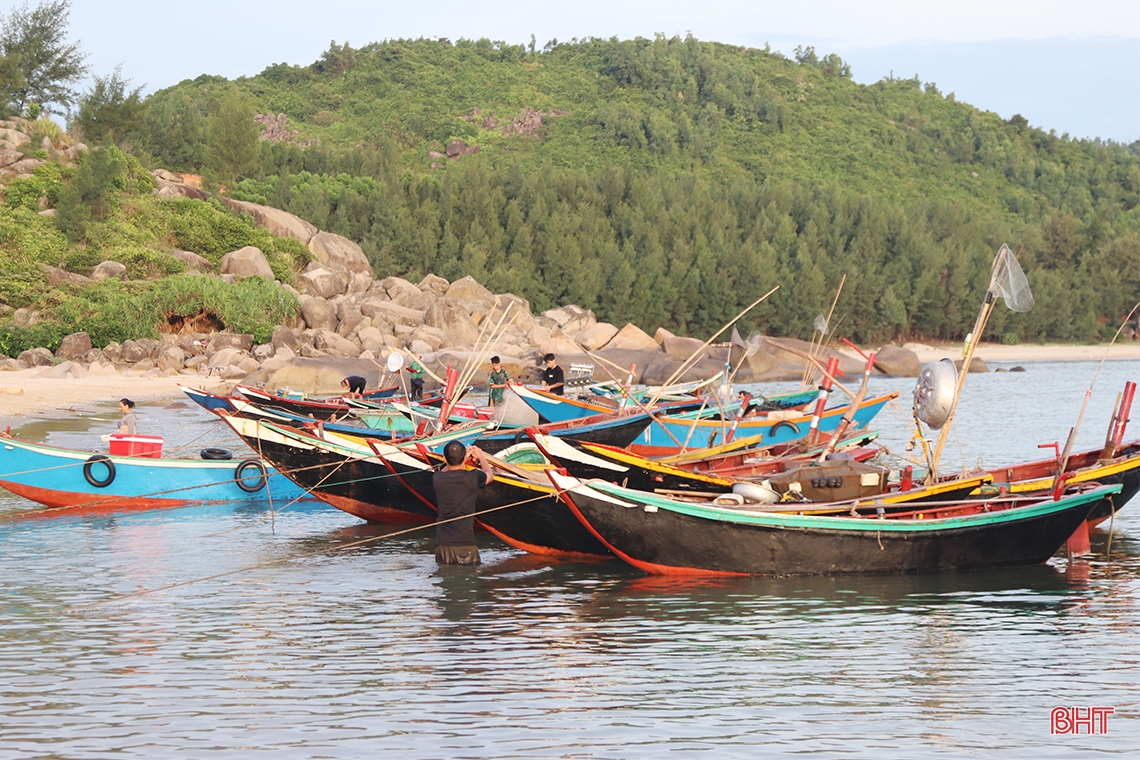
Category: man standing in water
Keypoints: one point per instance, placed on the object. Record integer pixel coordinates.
(456, 491)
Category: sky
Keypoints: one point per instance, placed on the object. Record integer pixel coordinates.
(1073, 67)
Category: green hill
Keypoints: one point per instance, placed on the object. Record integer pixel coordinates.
(672, 181)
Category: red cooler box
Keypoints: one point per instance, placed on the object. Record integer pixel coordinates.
(136, 445)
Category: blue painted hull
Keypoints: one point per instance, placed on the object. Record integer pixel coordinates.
(60, 477)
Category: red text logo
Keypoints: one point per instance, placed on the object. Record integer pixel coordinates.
(1070, 720)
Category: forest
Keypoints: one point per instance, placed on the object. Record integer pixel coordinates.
(665, 182)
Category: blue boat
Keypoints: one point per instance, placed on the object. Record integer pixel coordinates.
(85, 480)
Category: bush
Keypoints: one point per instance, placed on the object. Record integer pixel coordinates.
(46, 181)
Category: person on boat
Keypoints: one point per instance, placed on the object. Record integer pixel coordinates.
(128, 424)
(416, 371)
(456, 492)
(355, 385)
(553, 380)
(497, 381)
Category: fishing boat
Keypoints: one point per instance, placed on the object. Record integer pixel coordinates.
(669, 536)
(67, 478)
(611, 429)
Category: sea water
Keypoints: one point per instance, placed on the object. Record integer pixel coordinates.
(235, 632)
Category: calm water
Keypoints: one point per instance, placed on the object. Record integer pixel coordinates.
(358, 649)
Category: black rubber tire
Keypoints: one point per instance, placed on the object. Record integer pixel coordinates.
(262, 479)
(215, 454)
(772, 430)
(87, 471)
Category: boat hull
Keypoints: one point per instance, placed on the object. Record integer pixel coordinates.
(673, 538)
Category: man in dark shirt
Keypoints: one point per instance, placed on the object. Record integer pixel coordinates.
(456, 491)
(553, 381)
(355, 385)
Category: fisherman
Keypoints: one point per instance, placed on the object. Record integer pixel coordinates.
(128, 423)
(355, 385)
(553, 380)
(416, 370)
(456, 492)
(498, 380)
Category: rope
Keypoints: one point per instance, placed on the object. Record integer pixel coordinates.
(305, 555)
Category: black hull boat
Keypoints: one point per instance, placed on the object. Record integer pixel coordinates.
(671, 537)
(610, 430)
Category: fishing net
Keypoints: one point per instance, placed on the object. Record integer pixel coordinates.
(1010, 282)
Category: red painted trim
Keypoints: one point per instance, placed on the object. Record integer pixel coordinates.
(543, 551)
(372, 512)
(62, 503)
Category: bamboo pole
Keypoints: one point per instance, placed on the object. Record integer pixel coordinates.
(632, 398)
(827, 322)
(685, 365)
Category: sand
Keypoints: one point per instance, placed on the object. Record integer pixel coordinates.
(45, 398)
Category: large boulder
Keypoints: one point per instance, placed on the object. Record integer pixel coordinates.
(459, 330)
(682, 348)
(632, 337)
(334, 345)
(37, 357)
(403, 293)
(791, 351)
(227, 357)
(976, 365)
(56, 276)
(570, 319)
(371, 339)
(218, 341)
(322, 283)
(897, 361)
(9, 157)
(246, 262)
(280, 223)
(74, 347)
(661, 335)
(467, 289)
(133, 351)
(322, 376)
(434, 284)
(595, 336)
(193, 261)
(330, 248)
(64, 371)
(393, 314)
(170, 357)
(283, 336)
(318, 314)
(109, 270)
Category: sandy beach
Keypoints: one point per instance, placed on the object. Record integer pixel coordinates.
(25, 397)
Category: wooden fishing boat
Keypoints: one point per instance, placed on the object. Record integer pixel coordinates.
(345, 474)
(551, 407)
(86, 480)
(673, 537)
(205, 399)
(614, 430)
(668, 436)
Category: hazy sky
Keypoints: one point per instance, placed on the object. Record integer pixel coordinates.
(1064, 65)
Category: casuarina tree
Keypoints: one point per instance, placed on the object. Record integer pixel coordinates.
(35, 41)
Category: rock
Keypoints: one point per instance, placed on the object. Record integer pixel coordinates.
(48, 212)
(318, 314)
(419, 348)
(193, 261)
(283, 336)
(166, 174)
(25, 317)
(322, 283)
(632, 337)
(108, 270)
(976, 365)
(218, 341)
(322, 376)
(756, 366)
(901, 362)
(1018, 368)
(273, 363)
(371, 339)
(74, 346)
(170, 357)
(132, 351)
(66, 370)
(143, 365)
(57, 275)
(538, 335)
(196, 361)
(458, 328)
(9, 157)
(102, 369)
(467, 289)
(166, 189)
(330, 248)
(92, 356)
(777, 347)
(681, 349)
(113, 352)
(246, 262)
(560, 347)
(661, 335)
(434, 284)
(595, 336)
(391, 313)
(349, 324)
(433, 337)
(227, 357)
(8, 364)
(331, 343)
(278, 222)
(37, 357)
(459, 148)
(249, 365)
(571, 319)
(24, 166)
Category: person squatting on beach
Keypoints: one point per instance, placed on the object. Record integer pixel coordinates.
(355, 385)
(416, 370)
(553, 380)
(497, 381)
(456, 492)
(128, 424)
